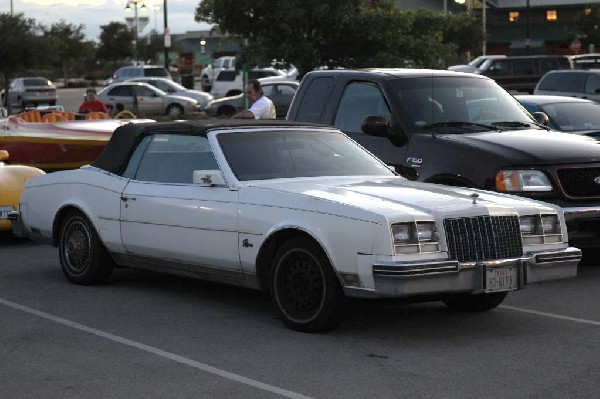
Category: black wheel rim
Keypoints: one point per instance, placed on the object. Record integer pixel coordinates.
(300, 286)
(77, 247)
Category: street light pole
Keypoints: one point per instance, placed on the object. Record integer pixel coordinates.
(167, 38)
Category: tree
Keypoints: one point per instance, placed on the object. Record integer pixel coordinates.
(116, 42)
(67, 45)
(308, 33)
(20, 45)
(346, 33)
(586, 27)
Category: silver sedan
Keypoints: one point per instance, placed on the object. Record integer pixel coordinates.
(170, 87)
(144, 98)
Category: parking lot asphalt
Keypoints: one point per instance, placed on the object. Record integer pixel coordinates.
(147, 335)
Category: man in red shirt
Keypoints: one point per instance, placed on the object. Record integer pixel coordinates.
(91, 103)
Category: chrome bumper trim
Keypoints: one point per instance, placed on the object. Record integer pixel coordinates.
(17, 226)
(581, 212)
(414, 268)
(439, 277)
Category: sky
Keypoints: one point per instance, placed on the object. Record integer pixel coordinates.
(94, 13)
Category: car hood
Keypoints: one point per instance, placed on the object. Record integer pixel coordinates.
(200, 96)
(532, 146)
(179, 99)
(394, 198)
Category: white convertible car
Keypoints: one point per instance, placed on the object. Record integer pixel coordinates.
(299, 211)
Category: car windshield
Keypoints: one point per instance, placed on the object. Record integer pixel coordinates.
(301, 153)
(572, 117)
(456, 105)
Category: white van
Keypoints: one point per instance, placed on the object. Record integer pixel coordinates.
(572, 83)
(228, 83)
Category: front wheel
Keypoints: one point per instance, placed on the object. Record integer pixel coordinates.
(305, 288)
(174, 110)
(475, 303)
(83, 258)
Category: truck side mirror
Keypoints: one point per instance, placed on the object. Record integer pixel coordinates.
(541, 118)
(379, 126)
(376, 125)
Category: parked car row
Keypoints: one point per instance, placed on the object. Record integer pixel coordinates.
(521, 74)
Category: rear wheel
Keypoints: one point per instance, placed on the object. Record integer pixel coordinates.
(475, 303)
(305, 288)
(83, 258)
(225, 112)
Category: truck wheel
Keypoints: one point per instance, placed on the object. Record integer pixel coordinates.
(83, 258)
(475, 303)
(304, 287)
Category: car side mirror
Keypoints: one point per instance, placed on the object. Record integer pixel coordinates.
(541, 118)
(208, 178)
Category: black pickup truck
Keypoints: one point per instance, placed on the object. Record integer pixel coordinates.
(459, 129)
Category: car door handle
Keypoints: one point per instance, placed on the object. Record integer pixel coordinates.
(125, 199)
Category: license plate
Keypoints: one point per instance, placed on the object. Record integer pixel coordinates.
(4, 215)
(501, 279)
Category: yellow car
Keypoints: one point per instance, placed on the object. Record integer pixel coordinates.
(12, 180)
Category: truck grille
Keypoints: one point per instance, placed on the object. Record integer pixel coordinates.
(483, 238)
(579, 182)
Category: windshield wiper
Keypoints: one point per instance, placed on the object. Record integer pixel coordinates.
(459, 125)
(513, 124)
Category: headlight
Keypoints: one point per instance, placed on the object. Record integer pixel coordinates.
(540, 229)
(522, 180)
(415, 237)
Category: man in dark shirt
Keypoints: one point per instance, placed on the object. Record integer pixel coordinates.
(91, 103)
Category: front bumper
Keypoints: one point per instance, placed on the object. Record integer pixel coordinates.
(407, 279)
(583, 225)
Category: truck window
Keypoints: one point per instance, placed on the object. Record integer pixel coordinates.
(314, 100)
(360, 99)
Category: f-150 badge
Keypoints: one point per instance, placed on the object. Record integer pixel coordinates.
(414, 162)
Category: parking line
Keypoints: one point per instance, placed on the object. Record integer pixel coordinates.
(156, 351)
(554, 316)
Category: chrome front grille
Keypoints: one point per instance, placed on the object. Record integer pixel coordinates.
(483, 238)
(580, 182)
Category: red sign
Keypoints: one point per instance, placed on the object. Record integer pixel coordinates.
(575, 45)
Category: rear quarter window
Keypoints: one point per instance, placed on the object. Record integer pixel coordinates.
(226, 76)
(315, 99)
(566, 82)
(155, 72)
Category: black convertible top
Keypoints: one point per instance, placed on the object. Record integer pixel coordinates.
(125, 138)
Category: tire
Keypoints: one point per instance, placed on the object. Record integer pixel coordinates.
(83, 258)
(304, 287)
(174, 110)
(225, 112)
(475, 303)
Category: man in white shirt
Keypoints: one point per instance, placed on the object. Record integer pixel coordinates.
(261, 106)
